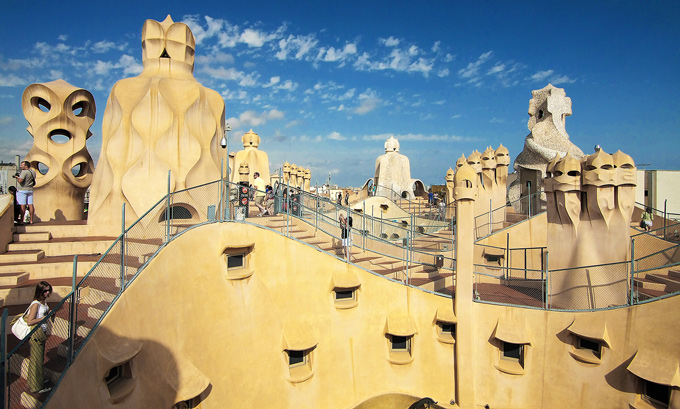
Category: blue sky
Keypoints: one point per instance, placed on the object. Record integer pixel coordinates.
(324, 83)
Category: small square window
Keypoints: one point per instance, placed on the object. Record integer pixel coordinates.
(299, 364)
(591, 345)
(236, 261)
(446, 332)
(656, 393)
(119, 381)
(400, 352)
(114, 375)
(400, 344)
(297, 358)
(513, 352)
(345, 297)
(344, 294)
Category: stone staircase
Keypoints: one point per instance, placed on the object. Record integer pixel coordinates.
(423, 276)
(657, 284)
(45, 251)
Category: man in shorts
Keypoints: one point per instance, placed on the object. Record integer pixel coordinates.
(26, 180)
(258, 183)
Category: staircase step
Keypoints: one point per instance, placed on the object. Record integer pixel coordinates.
(31, 236)
(21, 256)
(671, 284)
(66, 245)
(13, 278)
(648, 284)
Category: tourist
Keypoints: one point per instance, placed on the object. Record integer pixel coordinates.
(36, 312)
(347, 198)
(346, 235)
(18, 216)
(26, 179)
(647, 218)
(260, 193)
(269, 201)
(339, 201)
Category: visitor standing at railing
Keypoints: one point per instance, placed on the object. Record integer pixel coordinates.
(346, 235)
(36, 312)
(26, 180)
(647, 218)
(258, 184)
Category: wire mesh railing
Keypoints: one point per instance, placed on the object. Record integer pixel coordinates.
(417, 256)
(493, 219)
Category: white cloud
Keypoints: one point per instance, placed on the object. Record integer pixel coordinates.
(232, 74)
(62, 37)
(336, 136)
(542, 75)
(216, 57)
(332, 54)
(11, 80)
(443, 73)
(495, 120)
(301, 45)
(272, 81)
(368, 101)
(414, 137)
(292, 124)
(471, 71)
(56, 74)
(130, 65)
(213, 29)
(399, 60)
(5, 120)
(256, 38)
(104, 46)
(496, 69)
(288, 85)
(435, 46)
(254, 119)
(562, 79)
(103, 67)
(440, 102)
(550, 76)
(389, 42)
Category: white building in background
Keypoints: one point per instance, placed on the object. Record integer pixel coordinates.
(659, 189)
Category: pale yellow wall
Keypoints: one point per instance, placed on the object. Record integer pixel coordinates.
(553, 378)
(183, 308)
(666, 184)
(6, 221)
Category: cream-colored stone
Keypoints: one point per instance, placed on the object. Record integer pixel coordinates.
(257, 159)
(591, 233)
(393, 172)
(162, 120)
(59, 142)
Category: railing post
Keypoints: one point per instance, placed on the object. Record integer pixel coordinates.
(529, 198)
(122, 254)
(665, 214)
(547, 282)
(363, 228)
(72, 314)
(167, 213)
(221, 187)
(287, 208)
(632, 271)
(507, 257)
(490, 217)
(3, 358)
(316, 211)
